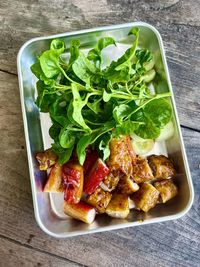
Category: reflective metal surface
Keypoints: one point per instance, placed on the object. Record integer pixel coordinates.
(48, 207)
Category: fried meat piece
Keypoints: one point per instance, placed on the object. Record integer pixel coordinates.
(99, 199)
(167, 189)
(54, 182)
(161, 166)
(118, 206)
(127, 186)
(121, 155)
(46, 159)
(146, 197)
(141, 171)
(111, 181)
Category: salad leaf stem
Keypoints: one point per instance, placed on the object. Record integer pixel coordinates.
(89, 105)
(163, 95)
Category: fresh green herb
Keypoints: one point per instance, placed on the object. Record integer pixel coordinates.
(89, 105)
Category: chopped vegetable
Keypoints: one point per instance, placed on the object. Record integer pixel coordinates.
(141, 146)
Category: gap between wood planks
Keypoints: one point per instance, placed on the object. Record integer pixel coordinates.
(190, 128)
(183, 126)
(8, 72)
(41, 251)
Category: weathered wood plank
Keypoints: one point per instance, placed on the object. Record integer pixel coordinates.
(13, 254)
(167, 244)
(177, 21)
(133, 246)
(176, 242)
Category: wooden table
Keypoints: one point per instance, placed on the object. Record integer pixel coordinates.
(22, 243)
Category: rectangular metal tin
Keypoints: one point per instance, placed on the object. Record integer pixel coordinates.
(46, 213)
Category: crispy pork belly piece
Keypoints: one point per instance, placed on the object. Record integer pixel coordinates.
(99, 199)
(121, 155)
(72, 182)
(167, 189)
(54, 182)
(118, 206)
(141, 171)
(46, 159)
(111, 181)
(161, 166)
(127, 186)
(146, 197)
(80, 211)
(95, 176)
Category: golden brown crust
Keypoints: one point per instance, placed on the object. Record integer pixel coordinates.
(127, 186)
(142, 171)
(118, 206)
(167, 189)
(99, 199)
(146, 197)
(161, 166)
(54, 182)
(112, 180)
(121, 155)
(46, 159)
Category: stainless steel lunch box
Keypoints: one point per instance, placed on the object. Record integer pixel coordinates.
(48, 207)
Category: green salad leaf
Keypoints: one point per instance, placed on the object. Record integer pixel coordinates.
(88, 106)
(95, 53)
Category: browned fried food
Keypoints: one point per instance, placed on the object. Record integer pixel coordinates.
(118, 206)
(99, 199)
(111, 181)
(127, 186)
(54, 182)
(121, 155)
(161, 166)
(141, 171)
(146, 197)
(46, 159)
(167, 189)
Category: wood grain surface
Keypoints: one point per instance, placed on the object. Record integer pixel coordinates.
(22, 243)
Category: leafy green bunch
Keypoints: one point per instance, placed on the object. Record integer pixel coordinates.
(89, 105)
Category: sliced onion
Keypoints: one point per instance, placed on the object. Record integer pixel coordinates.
(141, 146)
(149, 65)
(149, 76)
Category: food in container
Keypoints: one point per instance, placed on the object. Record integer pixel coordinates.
(47, 205)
